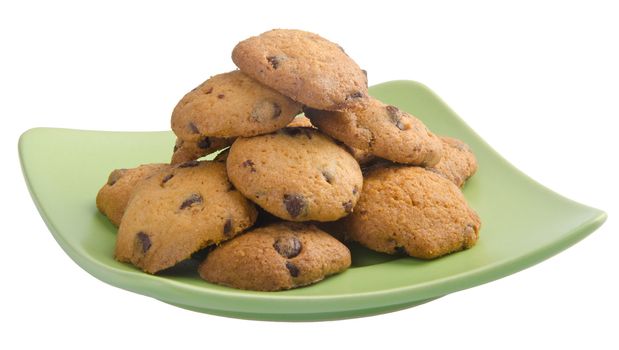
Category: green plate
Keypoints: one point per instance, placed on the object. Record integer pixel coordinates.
(523, 224)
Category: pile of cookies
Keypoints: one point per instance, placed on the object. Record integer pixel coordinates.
(359, 169)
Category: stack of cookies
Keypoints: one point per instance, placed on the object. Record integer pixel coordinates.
(354, 167)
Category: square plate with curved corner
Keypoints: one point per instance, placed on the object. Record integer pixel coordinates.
(523, 224)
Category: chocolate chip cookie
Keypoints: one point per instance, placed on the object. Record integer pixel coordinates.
(297, 174)
(178, 212)
(276, 257)
(409, 210)
(229, 105)
(383, 130)
(458, 162)
(305, 67)
(113, 197)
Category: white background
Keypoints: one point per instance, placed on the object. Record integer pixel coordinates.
(538, 81)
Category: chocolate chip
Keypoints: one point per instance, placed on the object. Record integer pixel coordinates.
(208, 91)
(220, 96)
(288, 246)
(189, 164)
(115, 176)
(249, 163)
(355, 190)
(277, 110)
(347, 206)
(274, 61)
(396, 117)
(166, 178)
(292, 268)
(264, 110)
(193, 128)
(399, 250)
(392, 110)
(175, 148)
(357, 94)
(228, 227)
(295, 204)
(143, 241)
(365, 72)
(194, 198)
(328, 176)
(205, 143)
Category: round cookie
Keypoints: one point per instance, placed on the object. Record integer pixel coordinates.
(178, 212)
(229, 105)
(409, 210)
(297, 174)
(276, 257)
(305, 67)
(383, 130)
(458, 162)
(185, 151)
(113, 197)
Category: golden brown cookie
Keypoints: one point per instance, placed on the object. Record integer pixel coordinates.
(383, 130)
(178, 212)
(113, 197)
(458, 162)
(305, 67)
(296, 174)
(185, 151)
(409, 210)
(276, 257)
(229, 105)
